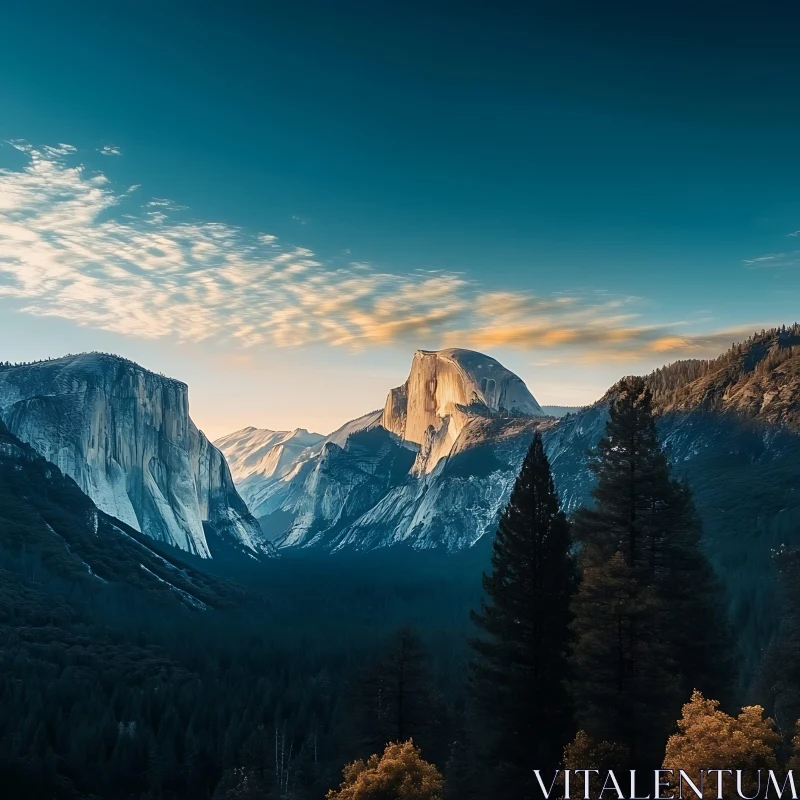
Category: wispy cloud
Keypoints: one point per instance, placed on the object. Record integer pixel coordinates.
(74, 246)
(109, 150)
(776, 260)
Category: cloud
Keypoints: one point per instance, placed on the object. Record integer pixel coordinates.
(109, 150)
(73, 246)
(776, 260)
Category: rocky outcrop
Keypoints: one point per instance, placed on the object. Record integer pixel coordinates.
(447, 388)
(125, 436)
(458, 502)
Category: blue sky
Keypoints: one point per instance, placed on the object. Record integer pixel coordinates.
(584, 190)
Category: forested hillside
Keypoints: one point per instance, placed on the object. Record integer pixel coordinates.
(758, 378)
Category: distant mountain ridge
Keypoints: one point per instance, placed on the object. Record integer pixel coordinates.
(468, 455)
(262, 452)
(124, 435)
(561, 411)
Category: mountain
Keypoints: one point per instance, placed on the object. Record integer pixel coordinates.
(753, 389)
(48, 526)
(757, 379)
(125, 436)
(445, 391)
(731, 428)
(263, 453)
(431, 469)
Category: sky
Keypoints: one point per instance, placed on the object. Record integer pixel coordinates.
(278, 203)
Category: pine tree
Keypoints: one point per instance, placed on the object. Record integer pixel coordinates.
(395, 696)
(646, 591)
(518, 677)
(624, 686)
(779, 679)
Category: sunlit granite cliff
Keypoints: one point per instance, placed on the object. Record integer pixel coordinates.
(125, 436)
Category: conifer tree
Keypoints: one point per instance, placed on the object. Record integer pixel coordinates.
(779, 679)
(518, 677)
(646, 592)
(395, 696)
(624, 686)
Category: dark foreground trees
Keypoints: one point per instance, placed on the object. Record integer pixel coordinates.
(523, 711)
(395, 700)
(649, 625)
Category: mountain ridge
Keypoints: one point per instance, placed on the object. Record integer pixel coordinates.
(739, 384)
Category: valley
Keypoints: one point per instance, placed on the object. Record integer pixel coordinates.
(121, 523)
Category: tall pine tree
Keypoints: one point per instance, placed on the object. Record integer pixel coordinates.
(518, 677)
(649, 624)
(395, 697)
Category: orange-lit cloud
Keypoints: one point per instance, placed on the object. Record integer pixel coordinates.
(67, 250)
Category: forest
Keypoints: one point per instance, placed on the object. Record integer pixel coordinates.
(595, 641)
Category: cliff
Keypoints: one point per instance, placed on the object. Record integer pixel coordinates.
(125, 436)
(444, 391)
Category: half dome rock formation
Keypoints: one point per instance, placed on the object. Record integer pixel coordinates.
(125, 436)
(444, 391)
(432, 469)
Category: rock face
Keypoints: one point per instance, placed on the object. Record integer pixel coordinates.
(125, 436)
(47, 519)
(432, 469)
(444, 391)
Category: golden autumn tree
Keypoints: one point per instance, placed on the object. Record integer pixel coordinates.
(708, 738)
(399, 774)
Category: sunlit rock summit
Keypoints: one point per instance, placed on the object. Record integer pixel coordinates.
(444, 392)
(433, 468)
